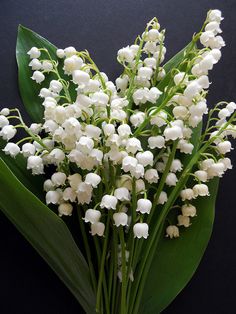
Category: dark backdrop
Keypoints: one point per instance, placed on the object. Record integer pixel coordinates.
(27, 285)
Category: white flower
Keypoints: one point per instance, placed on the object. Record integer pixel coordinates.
(122, 82)
(93, 179)
(93, 131)
(140, 230)
(180, 112)
(183, 221)
(185, 147)
(53, 197)
(215, 15)
(176, 165)
(69, 51)
(158, 119)
(173, 133)
(109, 202)
(35, 163)
(133, 145)
(69, 194)
(58, 178)
(205, 164)
(139, 186)
(124, 130)
(38, 77)
(137, 118)
(5, 111)
(187, 194)
(35, 64)
(216, 170)
(55, 86)
(226, 162)
(138, 172)
(108, 129)
(122, 194)
(156, 141)
(48, 185)
(162, 198)
(47, 66)
(151, 176)
(145, 158)
(172, 232)
(231, 107)
(57, 155)
(224, 147)
(84, 193)
(171, 179)
(188, 210)
(65, 209)
(200, 190)
(8, 132)
(201, 175)
(72, 63)
(150, 62)
(74, 180)
(85, 144)
(92, 216)
(126, 54)
(34, 53)
(60, 53)
(11, 149)
(120, 219)
(97, 228)
(81, 78)
(145, 73)
(180, 77)
(193, 88)
(144, 206)
(129, 163)
(3, 121)
(140, 96)
(100, 99)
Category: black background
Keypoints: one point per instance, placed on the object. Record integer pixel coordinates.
(27, 285)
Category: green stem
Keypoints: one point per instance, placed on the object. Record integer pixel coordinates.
(123, 270)
(101, 272)
(87, 250)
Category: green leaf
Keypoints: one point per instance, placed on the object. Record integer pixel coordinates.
(176, 260)
(29, 89)
(48, 234)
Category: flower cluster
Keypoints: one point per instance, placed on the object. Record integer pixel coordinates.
(119, 150)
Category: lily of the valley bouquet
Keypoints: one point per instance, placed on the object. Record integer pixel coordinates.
(135, 164)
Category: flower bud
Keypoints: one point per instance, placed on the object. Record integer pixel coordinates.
(188, 210)
(183, 221)
(172, 232)
(65, 209)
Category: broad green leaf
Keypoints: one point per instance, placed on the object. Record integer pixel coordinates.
(176, 260)
(48, 234)
(29, 90)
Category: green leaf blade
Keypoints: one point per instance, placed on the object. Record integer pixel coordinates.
(48, 234)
